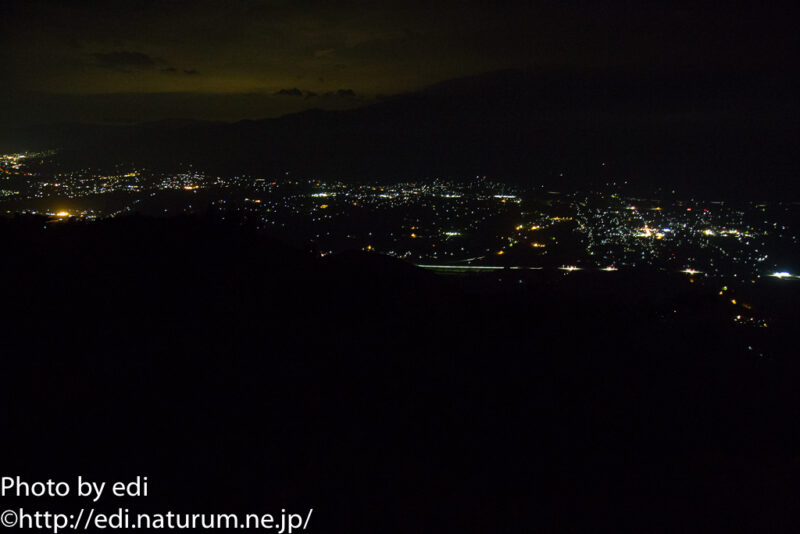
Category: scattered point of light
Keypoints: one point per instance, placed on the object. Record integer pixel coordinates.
(646, 231)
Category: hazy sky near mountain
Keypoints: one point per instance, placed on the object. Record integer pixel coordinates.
(229, 59)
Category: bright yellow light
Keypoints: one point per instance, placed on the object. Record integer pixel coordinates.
(62, 214)
(733, 301)
(322, 207)
(500, 252)
(414, 236)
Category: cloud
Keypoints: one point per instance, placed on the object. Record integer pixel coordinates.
(328, 95)
(294, 91)
(173, 70)
(341, 93)
(126, 61)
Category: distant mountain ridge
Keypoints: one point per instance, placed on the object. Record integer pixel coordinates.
(688, 128)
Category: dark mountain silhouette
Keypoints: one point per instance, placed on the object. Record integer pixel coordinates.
(706, 131)
(241, 375)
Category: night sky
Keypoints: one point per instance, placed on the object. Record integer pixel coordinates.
(227, 60)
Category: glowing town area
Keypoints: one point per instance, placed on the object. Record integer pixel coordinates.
(463, 224)
(742, 252)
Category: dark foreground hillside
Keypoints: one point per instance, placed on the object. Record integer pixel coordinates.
(241, 375)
